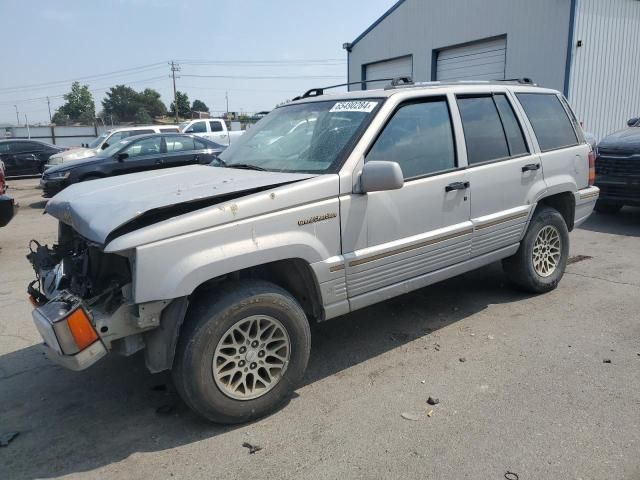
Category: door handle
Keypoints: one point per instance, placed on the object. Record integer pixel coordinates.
(531, 167)
(457, 186)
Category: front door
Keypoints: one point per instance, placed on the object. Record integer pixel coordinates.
(143, 154)
(505, 176)
(392, 238)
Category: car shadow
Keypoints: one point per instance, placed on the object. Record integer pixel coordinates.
(625, 222)
(72, 422)
(38, 205)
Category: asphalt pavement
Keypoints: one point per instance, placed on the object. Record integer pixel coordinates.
(545, 387)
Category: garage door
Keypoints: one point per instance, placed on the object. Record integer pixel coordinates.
(398, 67)
(478, 61)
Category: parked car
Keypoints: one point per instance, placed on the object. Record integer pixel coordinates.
(7, 204)
(26, 157)
(133, 154)
(618, 169)
(107, 139)
(214, 129)
(217, 272)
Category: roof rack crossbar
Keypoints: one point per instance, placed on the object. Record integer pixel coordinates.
(316, 92)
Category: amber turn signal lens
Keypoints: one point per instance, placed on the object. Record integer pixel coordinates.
(81, 329)
(592, 168)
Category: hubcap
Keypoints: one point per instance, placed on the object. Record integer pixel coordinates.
(546, 251)
(251, 357)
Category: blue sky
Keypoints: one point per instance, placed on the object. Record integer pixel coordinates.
(56, 41)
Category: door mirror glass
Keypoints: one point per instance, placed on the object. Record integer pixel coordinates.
(104, 145)
(123, 156)
(379, 176)
(189, 130)
(633, 122)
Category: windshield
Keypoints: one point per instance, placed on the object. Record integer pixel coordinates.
(113, 149)
(301, 138)
(96, 143)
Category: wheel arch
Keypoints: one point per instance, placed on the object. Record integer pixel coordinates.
(564, 203)
(294, 275)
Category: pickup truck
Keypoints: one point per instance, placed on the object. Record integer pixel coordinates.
(214, 129)
(217, 271)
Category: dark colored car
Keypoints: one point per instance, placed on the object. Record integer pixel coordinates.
(26, 157)
(132, 154)
(7, 205)
(618, 169)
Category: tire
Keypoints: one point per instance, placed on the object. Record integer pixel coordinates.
(521, 268)
(205, 338)
(602, 206)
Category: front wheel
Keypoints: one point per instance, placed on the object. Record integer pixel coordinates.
(242, 351)
(539, 263)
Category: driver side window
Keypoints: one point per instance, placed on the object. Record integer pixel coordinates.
(147, 146)
(419, 137)
(198, 127)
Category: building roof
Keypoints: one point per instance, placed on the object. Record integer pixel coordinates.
(375, 24)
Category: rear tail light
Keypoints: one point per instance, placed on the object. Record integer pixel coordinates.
(592, 168)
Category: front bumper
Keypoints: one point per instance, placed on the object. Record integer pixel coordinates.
(620, 190)
(7, 209)
(51, 187)
(60, 343)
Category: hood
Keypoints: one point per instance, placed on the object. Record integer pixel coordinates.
(68, 165)
(626, 139)
(96, 208)
(73, 154)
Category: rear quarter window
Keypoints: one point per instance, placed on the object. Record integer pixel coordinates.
(549, 120)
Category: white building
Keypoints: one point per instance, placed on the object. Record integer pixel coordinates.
(588, 49)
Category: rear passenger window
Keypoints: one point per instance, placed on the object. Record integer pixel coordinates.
(419, 137)
(179, 144)
(512, 129)
(483, 130)
(215, 126)
(549, 120)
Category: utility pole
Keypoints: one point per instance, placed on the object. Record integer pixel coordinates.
(17, 114)
(175, 68)
(49, 106)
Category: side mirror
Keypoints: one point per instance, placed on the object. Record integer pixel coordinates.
(104, 146)
(379, 176)
(633, 121)
(122, 156)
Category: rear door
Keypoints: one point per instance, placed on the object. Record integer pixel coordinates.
(504, 171)
(181, 150)
(218, 132)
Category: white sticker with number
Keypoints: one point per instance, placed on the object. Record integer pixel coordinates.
(354, 106)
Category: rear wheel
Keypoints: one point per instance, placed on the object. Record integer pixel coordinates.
(602, 206)
(539, 263)
(242, 351)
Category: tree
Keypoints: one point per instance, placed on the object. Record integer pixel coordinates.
(79, 106)
(125, 104)
(199, 106)
(183, 105)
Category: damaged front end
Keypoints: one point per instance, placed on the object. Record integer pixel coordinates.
(83, 301)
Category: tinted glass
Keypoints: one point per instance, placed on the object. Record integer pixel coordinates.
(147, 146)
(549, 120)
(515, 138)
(116, 137)
(200, 145)
(483, 131)
(5, 147)
(215, 126)
(179, 144)
(198, 127)
(419, 138)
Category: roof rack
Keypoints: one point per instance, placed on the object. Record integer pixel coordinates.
(406, 81)
(316, 92)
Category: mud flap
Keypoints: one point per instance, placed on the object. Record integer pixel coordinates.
(161, 342)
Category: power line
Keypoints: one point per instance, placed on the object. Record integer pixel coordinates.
(128, 71)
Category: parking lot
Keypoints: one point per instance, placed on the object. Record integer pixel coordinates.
(542, 386)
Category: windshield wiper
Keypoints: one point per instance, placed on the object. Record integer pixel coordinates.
(246, 166)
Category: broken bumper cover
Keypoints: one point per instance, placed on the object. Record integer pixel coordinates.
(69, 338)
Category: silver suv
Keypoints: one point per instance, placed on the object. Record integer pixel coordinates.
(329, 204)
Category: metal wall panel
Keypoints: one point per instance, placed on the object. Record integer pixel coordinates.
(536, 33)
(483, 60)
(604, 85)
